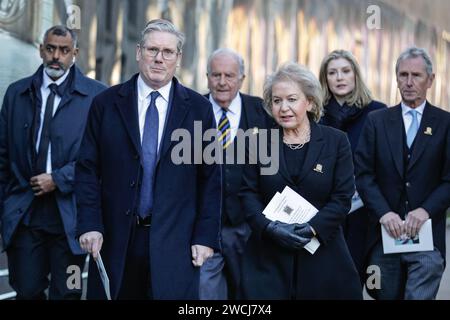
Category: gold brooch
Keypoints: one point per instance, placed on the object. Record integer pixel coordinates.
(318, 168)
(428, 131)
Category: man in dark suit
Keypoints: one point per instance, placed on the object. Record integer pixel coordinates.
(41, 125)
(233, 110)
(403, 176)
(155, 221)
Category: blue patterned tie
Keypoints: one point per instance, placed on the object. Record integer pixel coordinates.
(149, 152)
(224, 129)
(413, 128)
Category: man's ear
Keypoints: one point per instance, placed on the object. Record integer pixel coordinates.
(41, 51)
(430, 80)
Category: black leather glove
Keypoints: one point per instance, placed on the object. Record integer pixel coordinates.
(304, 230)
(285, 235)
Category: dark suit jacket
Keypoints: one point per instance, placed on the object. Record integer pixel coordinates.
(268, 269)
(253, 115)
(355, 227)
(186, 197)
(381, 178)
(16, 143)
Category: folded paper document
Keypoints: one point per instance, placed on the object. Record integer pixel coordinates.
(290, 207)
(103, 275)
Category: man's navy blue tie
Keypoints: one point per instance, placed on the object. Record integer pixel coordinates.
(41, 160)
(149, 153)
(413, 128)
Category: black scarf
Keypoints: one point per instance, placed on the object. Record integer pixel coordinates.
(340, 117)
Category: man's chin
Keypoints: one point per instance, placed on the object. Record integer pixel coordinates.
(54, 73)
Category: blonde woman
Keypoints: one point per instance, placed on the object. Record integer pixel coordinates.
(316, 162)
(347, 102)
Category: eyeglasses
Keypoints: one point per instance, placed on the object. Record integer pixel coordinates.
(167, 54)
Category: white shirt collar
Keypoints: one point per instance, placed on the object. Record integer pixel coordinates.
(419, 109)
(233, 108)
(144, 90)
(46, 80)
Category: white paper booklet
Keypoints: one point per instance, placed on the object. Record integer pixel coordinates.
(103, 275)
(422, 242)
(290, 207)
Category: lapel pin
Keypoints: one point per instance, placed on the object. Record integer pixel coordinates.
(428, 131)
(318, 168)
(255, 130)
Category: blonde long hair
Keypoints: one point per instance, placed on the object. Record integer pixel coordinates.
(360, 96)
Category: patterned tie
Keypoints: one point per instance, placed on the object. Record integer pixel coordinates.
(413, 128)
(41, 160)
(149, 152)
(224, 129)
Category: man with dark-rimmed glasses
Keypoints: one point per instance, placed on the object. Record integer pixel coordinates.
(156, 222)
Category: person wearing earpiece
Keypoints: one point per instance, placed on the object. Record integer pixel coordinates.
(41, 124)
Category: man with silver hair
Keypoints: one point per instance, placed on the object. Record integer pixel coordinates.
(220, 275)
(154, 230)
(41, 125)
(403, 177)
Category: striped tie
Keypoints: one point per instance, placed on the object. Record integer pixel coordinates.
(224, 129)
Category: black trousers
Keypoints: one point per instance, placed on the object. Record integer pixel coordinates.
(33, 255)
(136, 281)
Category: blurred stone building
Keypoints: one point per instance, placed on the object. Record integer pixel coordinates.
(265, 32)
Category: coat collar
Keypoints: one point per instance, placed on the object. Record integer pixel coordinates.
(393, 127)
(394, 134)
(424, 134)
(79, 82)
(128, 109)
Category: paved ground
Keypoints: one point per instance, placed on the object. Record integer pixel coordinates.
(443, 294)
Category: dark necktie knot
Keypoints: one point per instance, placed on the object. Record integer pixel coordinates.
(54, 88)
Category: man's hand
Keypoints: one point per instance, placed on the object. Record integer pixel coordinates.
(42, 184)
(91, 242)
(393, 224)
(200, 254)
(414, 221)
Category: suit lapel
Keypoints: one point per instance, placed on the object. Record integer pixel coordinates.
(427, 124)
(314, 150)
(178, 109)
(393, 126)
(249, 119)
(129, 111)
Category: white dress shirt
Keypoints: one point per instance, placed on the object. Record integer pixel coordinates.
(45, 92)
(233, 113)
(162, 104)
(407, 117)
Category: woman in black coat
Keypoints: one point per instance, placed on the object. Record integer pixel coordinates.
(316, 162)
(347, 102)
